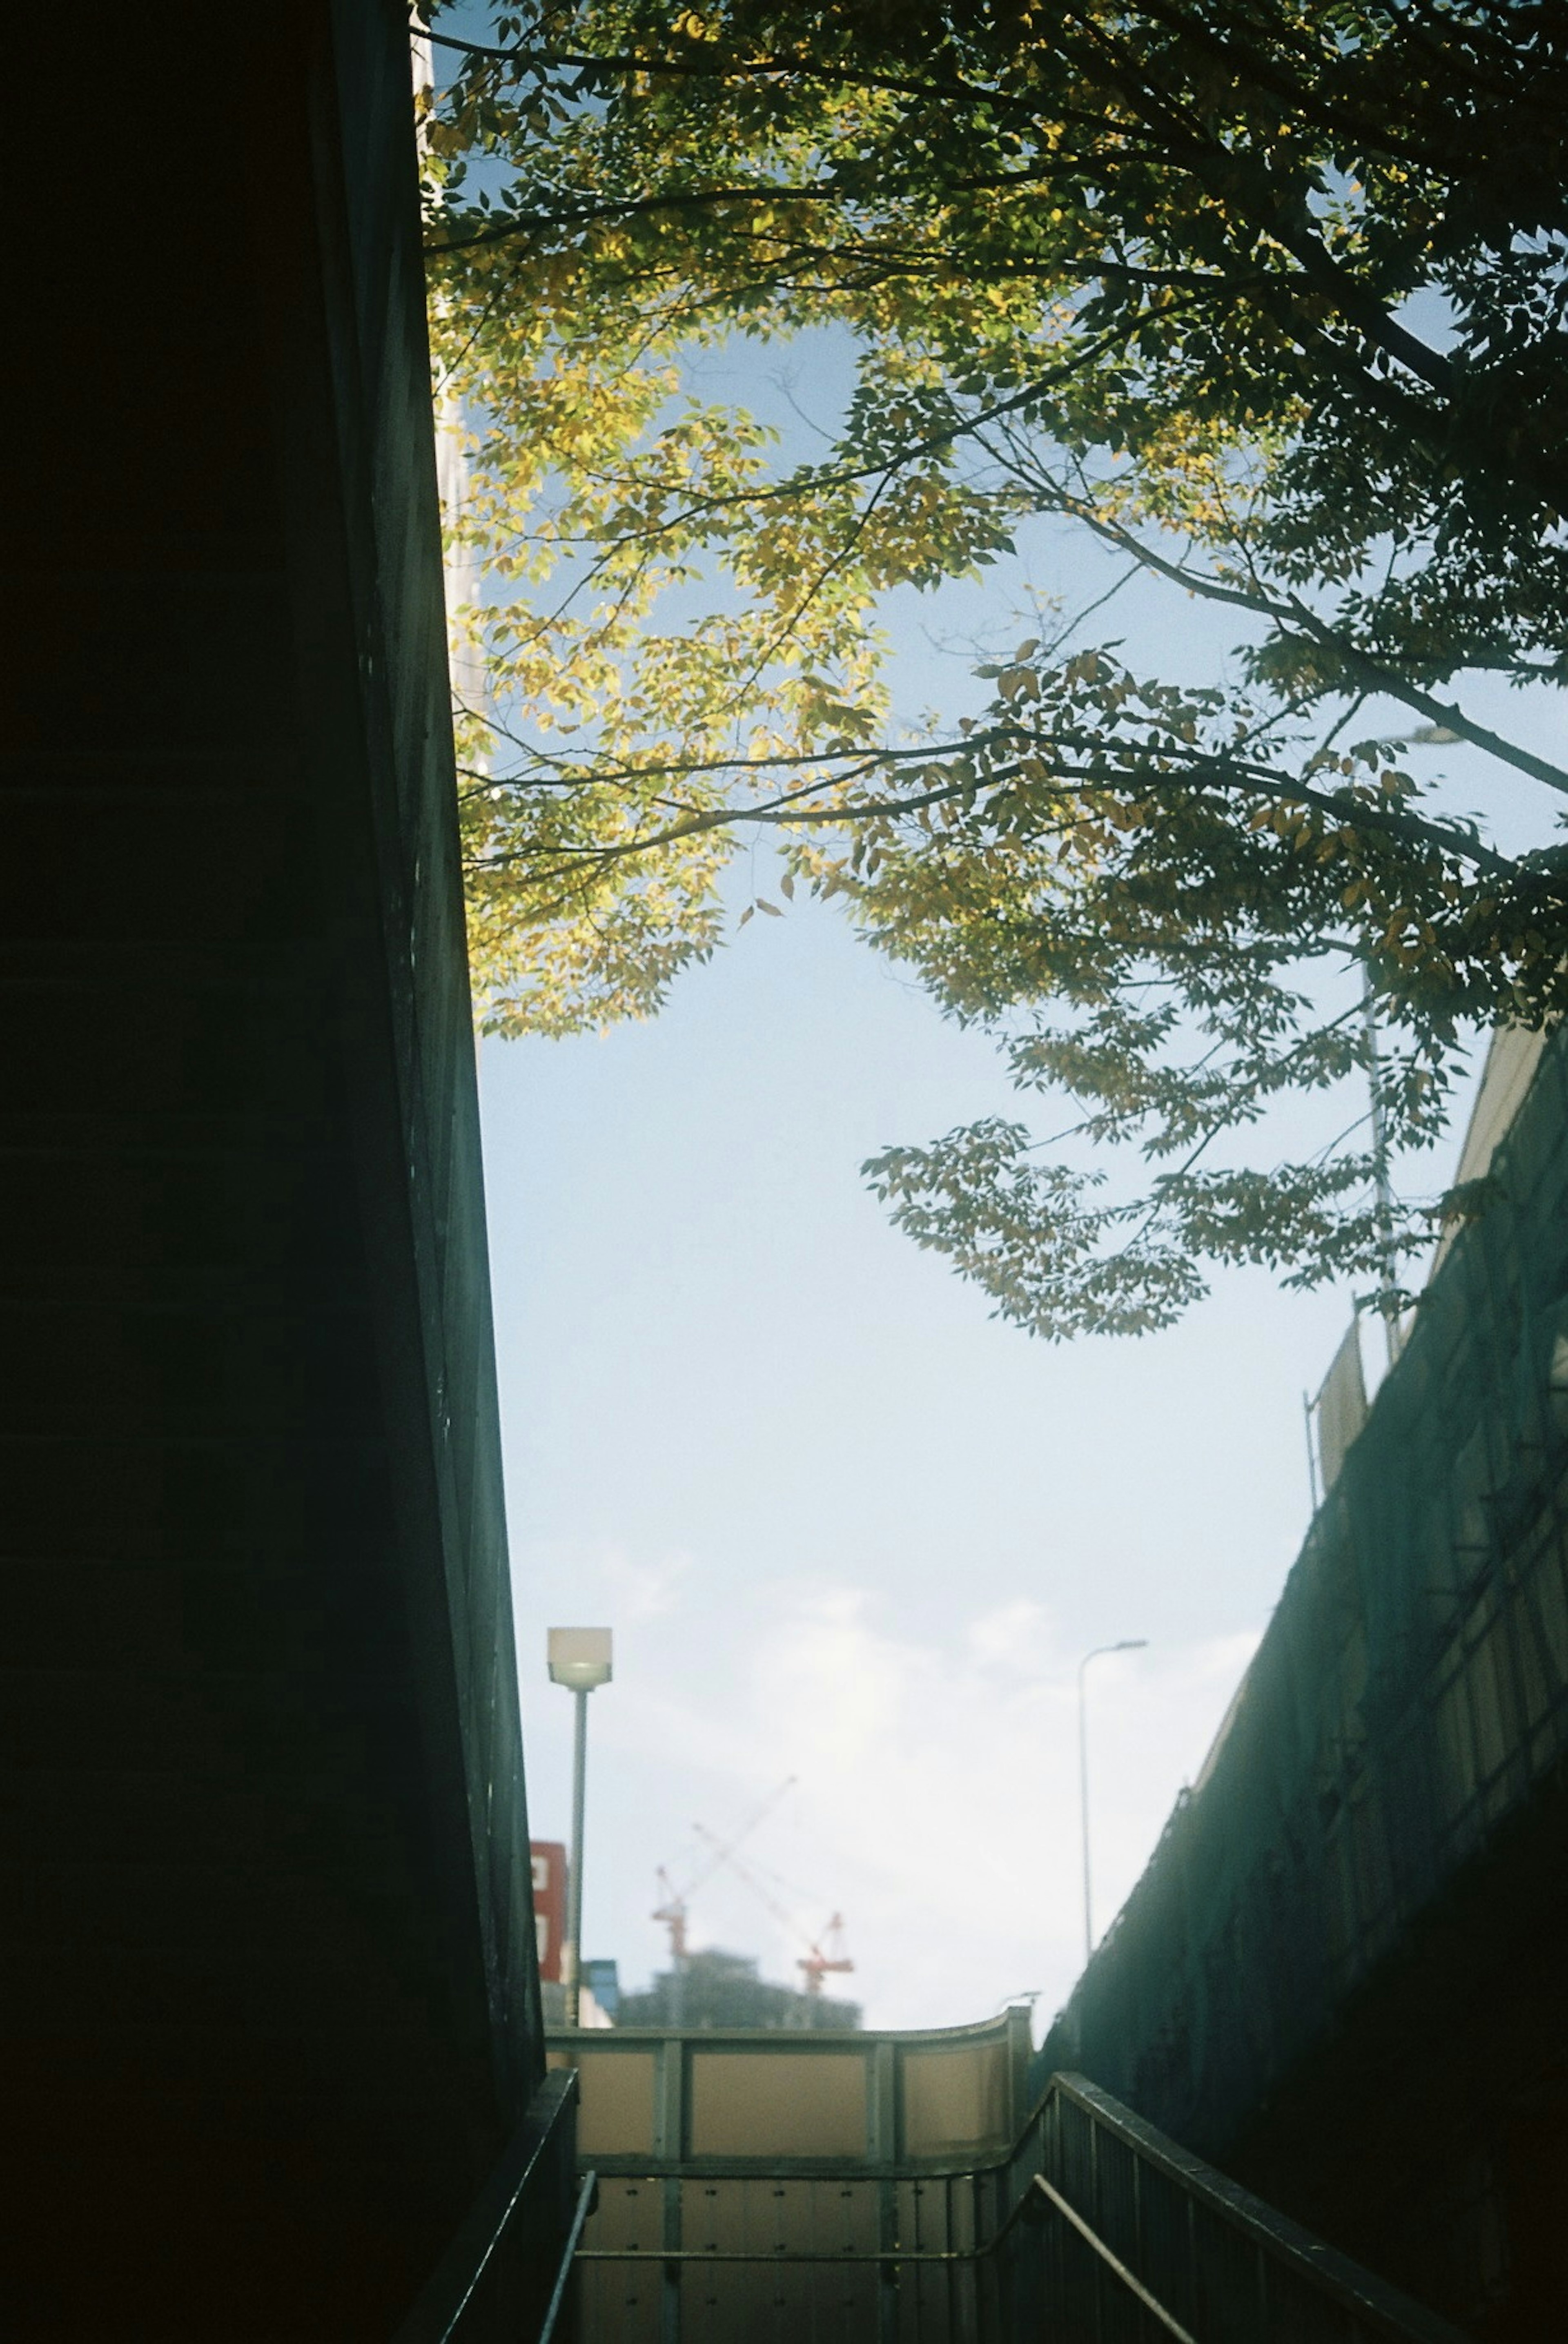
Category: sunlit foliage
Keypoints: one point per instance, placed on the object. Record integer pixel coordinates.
(1265, 296)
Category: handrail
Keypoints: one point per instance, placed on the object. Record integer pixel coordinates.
(1134, 2285)
(438, 2311)
(587, 2199)
(1297, 2258)
(845, 2257)
(1333, 2275)
(852, 2255)
(900, 2255)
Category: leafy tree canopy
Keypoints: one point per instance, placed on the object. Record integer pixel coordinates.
(1267, 297)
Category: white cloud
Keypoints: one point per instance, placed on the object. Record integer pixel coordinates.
(626, 1588)
(936, 1804)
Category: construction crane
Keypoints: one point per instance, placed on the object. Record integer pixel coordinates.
(825, 1953)
(674, 1903)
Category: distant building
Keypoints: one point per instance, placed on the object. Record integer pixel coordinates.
(547, 1859)
(603, 1981)
(720, 1989)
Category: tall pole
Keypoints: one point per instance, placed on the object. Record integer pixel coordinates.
(1388, 1296)
(1127, 1644)
(573, 1950)
(1084, 1808)
(579, 1659)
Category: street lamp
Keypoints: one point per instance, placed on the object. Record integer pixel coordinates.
(578, 1660)
(1127, 1644)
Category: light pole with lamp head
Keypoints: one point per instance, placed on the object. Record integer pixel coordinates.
(580, 1659)
(1127, 1644)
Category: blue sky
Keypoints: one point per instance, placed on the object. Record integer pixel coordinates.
(845, 1526)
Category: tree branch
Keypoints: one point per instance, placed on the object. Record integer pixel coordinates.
(1206, 771)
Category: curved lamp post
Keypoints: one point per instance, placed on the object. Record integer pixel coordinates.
(1127, 1644)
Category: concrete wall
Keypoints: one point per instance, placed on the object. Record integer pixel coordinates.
(267, 2008)
(1341, 1975)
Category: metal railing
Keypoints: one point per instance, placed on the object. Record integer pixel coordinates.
(1117, 2236)
(587, 2199)
(1092, 2229)
(504, 2278)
